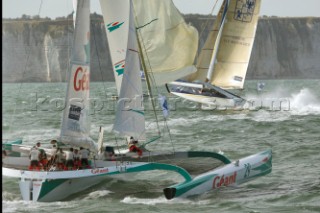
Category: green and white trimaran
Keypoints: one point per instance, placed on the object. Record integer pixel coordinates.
(55, 185)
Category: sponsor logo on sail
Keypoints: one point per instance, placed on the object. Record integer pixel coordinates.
(74, 112)
(114, 25)
(224, 180)
(81, 79)
(244, 10)
(119, 67)
(238, 78)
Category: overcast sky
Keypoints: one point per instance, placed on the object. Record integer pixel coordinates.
(58, 8)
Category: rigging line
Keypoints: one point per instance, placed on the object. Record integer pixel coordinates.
(40, 8)
(118, 147)
(68, 36)
(207, 22)
(100, 69)
(147, 74)
(23, 75)
(168, 130)
(137, 28)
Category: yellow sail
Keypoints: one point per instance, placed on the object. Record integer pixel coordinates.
(168, 44)
(236, 44)
(206, 53)
(225, 56)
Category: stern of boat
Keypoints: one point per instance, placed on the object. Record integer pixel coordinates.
(30, 189)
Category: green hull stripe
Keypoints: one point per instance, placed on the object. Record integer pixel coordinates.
(153, 166)
(161, 166)
(210, 155)
(184, 187)
(265, 166)
(256, 176)
(8, 145)
(267, 152)
(137, 111)
(50, 185)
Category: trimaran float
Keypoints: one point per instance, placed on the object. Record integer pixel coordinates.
(55, 185)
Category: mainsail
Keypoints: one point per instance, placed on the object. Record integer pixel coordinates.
(237, 26)
(168, 44)
(130, 119)
(75, 127)
(116, 19)
(210, 48)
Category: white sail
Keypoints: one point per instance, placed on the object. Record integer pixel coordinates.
(130, 111)
(116, 19)
(169, 45)
(75, 127)
(236, 44)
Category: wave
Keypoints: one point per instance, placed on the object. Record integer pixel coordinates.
(30, 206)
(162, 200)
(97, 194)
(283, 103)
(305, 102)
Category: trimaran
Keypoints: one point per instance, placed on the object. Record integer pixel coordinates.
(55, 185)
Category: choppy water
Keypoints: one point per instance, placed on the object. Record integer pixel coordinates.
(292, 131)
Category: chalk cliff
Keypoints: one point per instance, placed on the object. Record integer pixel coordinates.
(38, 50)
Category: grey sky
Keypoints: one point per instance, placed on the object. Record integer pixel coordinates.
(58, 8)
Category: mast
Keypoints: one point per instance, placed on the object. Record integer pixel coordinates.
(146, 73)
(224, 10)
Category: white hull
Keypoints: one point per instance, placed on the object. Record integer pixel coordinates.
(234, 173)
(210, 97)
(32, 189)
(208, 102)
(48, 186)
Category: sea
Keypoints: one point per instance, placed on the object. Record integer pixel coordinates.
(284, 116)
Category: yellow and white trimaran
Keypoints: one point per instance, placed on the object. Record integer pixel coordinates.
(55, 185)
(223, 62)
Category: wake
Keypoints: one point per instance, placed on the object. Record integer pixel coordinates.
(305, 102)
(302, 102)
(161, 200)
